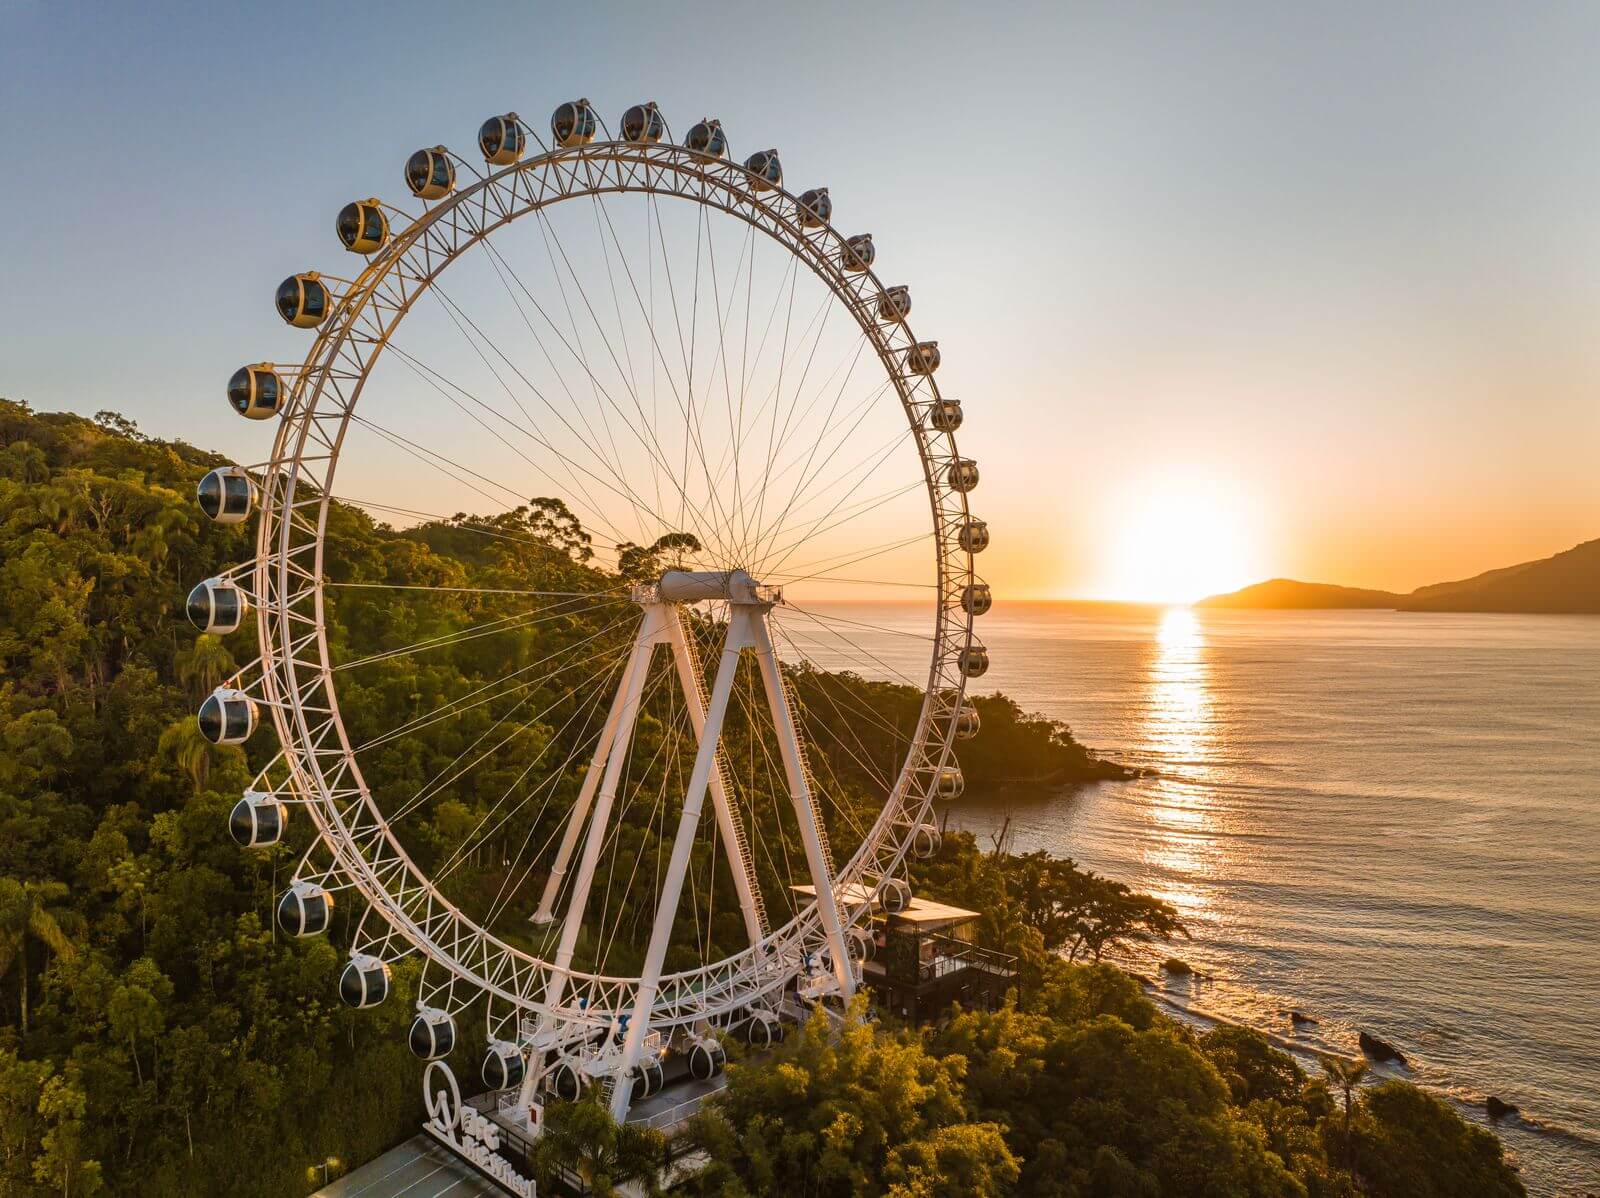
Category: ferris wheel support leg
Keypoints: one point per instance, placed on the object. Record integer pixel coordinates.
(630, 691)
(805, 810)
(739, 637)
(739, 863)
(580, 809)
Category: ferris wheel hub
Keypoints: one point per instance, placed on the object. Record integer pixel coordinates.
(732, 586)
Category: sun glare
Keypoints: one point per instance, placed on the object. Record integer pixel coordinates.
(1176, 543)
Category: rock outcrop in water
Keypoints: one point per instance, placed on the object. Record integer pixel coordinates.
(1381, 1050)
(1498, 1108)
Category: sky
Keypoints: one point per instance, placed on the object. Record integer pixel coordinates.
(1228, 291)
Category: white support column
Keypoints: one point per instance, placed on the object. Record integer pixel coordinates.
(739, 864)
(805, 812)
(632, 688)
(741, 618)
(580, 809)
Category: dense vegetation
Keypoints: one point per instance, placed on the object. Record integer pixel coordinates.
(158, 1036)
(1079, 1087)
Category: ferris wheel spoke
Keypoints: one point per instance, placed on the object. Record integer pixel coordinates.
(713, 524)
(704, 526)
(620, 487)
(463, 525)
(450, 390)
(439, 781)
(848, 557)
(473, 840)
(692, 425)
(518, 622)
(775, 442)
(859, 654)
(835, 520)
(458, 705)
(813, 469)
(440, 462)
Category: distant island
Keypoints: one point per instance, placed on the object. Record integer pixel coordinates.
(1568, 583)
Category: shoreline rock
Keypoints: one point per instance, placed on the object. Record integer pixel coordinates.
(1381, 1050)
(1499, 1108)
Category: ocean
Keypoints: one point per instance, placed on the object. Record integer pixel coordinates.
(1389, 822)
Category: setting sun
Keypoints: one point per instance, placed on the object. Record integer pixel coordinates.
(1179, 542)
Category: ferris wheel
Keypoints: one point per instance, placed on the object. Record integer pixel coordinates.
(594, 397)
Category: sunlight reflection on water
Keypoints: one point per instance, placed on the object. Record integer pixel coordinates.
(1177, 722)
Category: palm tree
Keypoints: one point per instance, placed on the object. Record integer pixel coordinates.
(185, 746)
(582, 1137)
(1345, 1076)
(23, 916)
(207, 663)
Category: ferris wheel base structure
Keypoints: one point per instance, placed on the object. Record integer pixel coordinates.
(661, 624)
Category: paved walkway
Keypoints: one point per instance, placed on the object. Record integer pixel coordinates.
(419, 1168)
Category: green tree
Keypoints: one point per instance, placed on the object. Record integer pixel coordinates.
(25, 916)
(1409, 1144)
(851, 1113)
(62, 1162)
(583, 1137)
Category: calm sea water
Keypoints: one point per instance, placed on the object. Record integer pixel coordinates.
(1387, 821)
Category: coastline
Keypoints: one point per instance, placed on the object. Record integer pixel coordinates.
(1143, 965)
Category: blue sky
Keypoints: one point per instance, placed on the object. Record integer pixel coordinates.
(1327, 275)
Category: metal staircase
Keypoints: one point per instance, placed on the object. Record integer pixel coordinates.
(792, 698)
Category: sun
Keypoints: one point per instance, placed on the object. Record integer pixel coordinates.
(1176, 542)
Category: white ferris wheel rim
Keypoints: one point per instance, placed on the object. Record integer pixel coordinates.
(298, 685)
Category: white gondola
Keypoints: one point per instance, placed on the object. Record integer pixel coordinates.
(951, 783)
(976, 598)
(643, 124)
(216, 606)
(895, 896)
(648, 1078)
(362, 226)
(967, 721)
(762, 1029)
(863, 945)
(894, 305)
(431, 174)
(766, 169)
(962, 475)
(566, 1080)
(303, 300)
(503, 1066)
(433, 1034)
(256, 392)
(974, 661)
(926, 841)
(226, 495)
(707, 138)
(858, 253)
(501, 139)
(923, 358)
(816, 208)
(257, 820)
(305, 909)
(365, 981)
(706, 1060)
(574, 124)
(227, 717)
(945, 415)
(974, 536)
